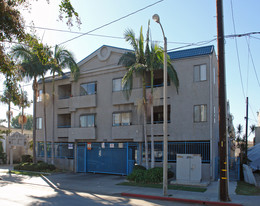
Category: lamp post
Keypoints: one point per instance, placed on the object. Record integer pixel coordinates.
(156, 18)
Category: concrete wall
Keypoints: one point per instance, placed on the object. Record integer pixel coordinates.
(257, 135)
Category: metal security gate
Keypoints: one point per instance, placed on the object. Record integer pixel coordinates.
(81, 158)
(111, 158)
(234, 168)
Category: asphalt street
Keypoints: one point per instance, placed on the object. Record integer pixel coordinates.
(25, 190)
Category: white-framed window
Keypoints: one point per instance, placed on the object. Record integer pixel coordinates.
(39, 96)
(88, 88)
(200, 113)
(200, 73)
(39, 123)
(87, 120)
(121, 119)
(117, 84)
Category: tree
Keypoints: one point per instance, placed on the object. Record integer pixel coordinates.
(11, 93)
(12, 23)
(135, 63)
(28, 125)
(154, 57)
(35, 62)
(24, 102)
(62, 59)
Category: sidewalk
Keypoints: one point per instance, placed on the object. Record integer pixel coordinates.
(107, 185)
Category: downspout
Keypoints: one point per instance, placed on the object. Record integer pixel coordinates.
(212, 161)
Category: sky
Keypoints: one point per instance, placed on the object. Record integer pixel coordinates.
(185, 22)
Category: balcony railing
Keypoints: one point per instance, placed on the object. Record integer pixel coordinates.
(82, 133)
(128, 132)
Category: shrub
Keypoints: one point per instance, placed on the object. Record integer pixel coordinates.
(26, 158)
(153, 175)
(170, 174)
(40, 167)
(139, 167)
(137, 176)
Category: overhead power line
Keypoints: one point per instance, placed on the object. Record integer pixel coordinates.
(112, 22)
(238, 59)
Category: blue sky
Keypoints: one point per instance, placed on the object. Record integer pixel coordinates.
(184, 22)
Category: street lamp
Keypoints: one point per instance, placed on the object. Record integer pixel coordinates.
(156, 18)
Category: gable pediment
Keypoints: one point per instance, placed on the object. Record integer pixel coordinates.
(104, 57)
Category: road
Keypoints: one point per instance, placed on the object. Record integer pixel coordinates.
(16, 191)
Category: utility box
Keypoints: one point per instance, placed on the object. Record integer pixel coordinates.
(188, 169)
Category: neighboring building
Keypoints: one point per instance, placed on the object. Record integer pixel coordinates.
(18, 150)
(257, 130)
(96, 129)
(231, 133)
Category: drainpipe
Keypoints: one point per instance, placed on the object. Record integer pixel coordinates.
(211, 117)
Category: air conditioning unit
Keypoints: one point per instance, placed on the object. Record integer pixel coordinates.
(188, 169)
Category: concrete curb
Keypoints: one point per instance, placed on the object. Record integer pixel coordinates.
(179, 200)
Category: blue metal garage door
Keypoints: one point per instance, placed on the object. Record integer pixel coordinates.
(81, 158)
(112, 158)
(107, 160)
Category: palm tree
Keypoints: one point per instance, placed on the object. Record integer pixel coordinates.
(62, 59)
(140, 61)
(32, 68)
(154, 58)
(135, 63)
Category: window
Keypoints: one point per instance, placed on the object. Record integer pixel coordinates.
(64, 91)
(158, 115)
(64, 120)
(64, 150)
(200, 113)
(121, 119)
(117, 85)
(39, 123)
(200, 73)
(88, 88)
(39, 97)
(87, 120)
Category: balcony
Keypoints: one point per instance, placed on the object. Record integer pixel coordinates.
(157, 129)
(82, 102)
(128, 132)
(63, 103)
(62, 132)
(82, 133)
(119, 98)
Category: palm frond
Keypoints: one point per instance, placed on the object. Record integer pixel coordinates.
(127, 59)
(129, 36)
(173, 75)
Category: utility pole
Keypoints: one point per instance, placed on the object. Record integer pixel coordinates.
(246, 126)
(223, 187)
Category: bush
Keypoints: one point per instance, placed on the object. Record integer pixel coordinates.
(40, 167)
(3, 158)
(26, 158)
(137, 176)
(153, 175)
(139, 167)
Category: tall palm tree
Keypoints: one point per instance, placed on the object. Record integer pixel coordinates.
(62, 59)
(154, 58)
(140, 61)
(135, 63)
(32, 68)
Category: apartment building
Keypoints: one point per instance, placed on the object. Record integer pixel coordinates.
(96, 129)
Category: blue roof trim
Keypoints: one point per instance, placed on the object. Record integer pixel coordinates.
(191, 52)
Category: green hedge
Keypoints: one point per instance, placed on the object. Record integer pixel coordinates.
(26, 158)
(40, 167)
(153, 175)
